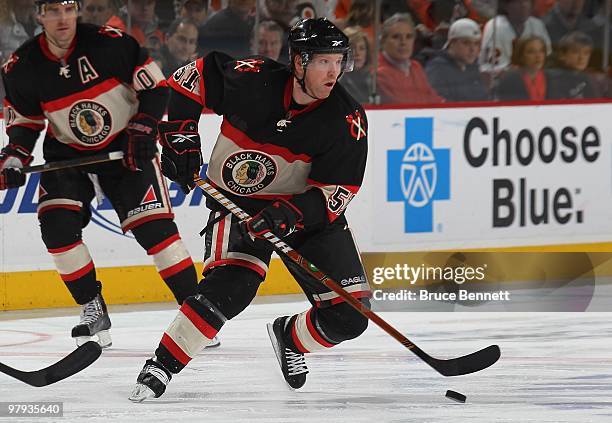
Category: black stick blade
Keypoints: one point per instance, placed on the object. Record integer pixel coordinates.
(467, 364)
(73, 363)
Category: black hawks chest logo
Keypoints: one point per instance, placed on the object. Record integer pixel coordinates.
(247, 172)
(90, 122)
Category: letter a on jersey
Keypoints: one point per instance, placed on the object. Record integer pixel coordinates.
(150, 196)
(86, 70)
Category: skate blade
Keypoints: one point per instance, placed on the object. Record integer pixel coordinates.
(140, 393)
(214, 343)
(272, 336)
(103, 339)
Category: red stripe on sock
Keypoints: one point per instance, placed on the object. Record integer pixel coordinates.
(203, 326)
(162, 245)
(314, 333)
(64, 249)
(79, 273)
(296, 340)
(236, 262)
(175, 350)
(174, 269)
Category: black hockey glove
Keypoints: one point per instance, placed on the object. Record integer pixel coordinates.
(181, 152)
(140, 148)
(281, 217)
(13, 157)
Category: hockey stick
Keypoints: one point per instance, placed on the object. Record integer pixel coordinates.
(470, 363)
(63, 164)
(73, 363)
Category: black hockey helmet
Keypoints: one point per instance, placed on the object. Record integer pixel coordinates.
(318, 36)
(41, 3)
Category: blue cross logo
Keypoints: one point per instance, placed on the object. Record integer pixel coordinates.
(418, 175)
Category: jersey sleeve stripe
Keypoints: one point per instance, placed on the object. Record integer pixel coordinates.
(189, 81)
(148, 76)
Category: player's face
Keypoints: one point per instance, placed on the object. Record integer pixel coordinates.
(322, 74)
(398, 43)
(269, 43)
(182, 44)
(59, 21)
(96, 12)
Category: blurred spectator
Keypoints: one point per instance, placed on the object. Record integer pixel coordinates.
(17, 25)
(194, 10)
(325, 8)
(527, 80)
(400, 79)
(101, 12)
(542, 7)
(286, 12)
(144, 24)
(569, 80)
(486, 9)
(454, 74)
(436, 17)
(567, 16)
(360, 13)
(514, 21)
(599, 34)
(180, 47)
(229, 30)
(359, 82)
(281, 11)
(267, 39)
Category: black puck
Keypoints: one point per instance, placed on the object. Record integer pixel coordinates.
(455, 396)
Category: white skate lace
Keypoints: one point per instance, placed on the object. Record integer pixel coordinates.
(295, 363)
(91, 312)
(158, 373)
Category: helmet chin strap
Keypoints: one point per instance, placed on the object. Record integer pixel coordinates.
(302, 83)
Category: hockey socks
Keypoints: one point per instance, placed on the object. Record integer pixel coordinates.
(194, 327)
(175, 267)
(304, 335)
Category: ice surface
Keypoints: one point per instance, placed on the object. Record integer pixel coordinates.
(555, 367)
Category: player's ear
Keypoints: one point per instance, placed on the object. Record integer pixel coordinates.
(297, 66)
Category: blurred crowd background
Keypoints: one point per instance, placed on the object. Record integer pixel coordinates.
(406, 51)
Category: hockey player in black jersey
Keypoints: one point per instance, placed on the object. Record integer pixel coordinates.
(99, 92)
(292, 153)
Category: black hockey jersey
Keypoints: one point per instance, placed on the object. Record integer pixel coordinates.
(87, 97)
(266, 149)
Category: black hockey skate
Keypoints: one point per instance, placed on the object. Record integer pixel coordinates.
(151, 382)
(293, 365)
(94, 325)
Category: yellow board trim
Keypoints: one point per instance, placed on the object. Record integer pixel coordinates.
(120, 285)
(141, 284)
